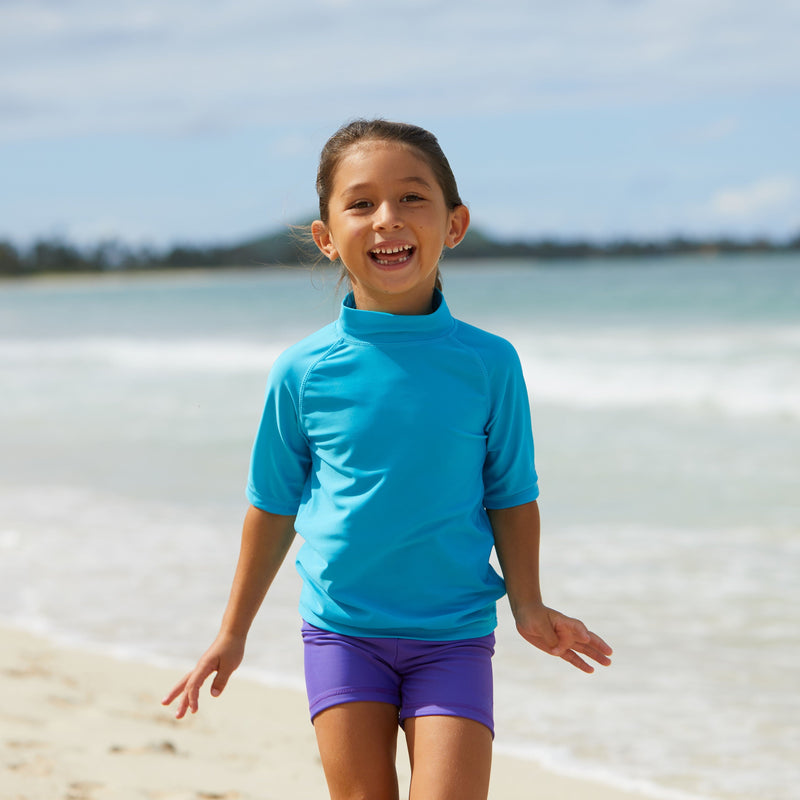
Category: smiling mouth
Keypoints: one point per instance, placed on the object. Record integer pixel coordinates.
(392, 256)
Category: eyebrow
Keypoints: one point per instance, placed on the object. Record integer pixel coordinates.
(411, 179)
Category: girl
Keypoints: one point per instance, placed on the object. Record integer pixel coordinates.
(397, 442)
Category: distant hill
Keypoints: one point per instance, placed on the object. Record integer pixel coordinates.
(291, 246)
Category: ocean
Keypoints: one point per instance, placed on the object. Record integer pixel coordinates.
(666, 410)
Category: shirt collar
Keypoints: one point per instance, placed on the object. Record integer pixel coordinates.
(378, 326)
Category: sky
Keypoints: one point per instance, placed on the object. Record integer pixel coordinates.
(191, 121)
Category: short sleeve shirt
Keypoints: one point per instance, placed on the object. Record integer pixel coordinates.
(389, 436)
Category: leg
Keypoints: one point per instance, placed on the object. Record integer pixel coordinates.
(358, 746)
(451, 758)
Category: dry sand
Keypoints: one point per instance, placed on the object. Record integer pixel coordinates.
(78, 726)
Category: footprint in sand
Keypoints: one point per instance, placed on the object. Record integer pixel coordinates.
(217, 796)
(31, 764)
(163, 748)
(82, 790)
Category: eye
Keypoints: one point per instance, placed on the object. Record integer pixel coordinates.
(358, 205)
(412, 197)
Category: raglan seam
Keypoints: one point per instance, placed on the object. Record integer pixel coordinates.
(306, 375)
(473, 351)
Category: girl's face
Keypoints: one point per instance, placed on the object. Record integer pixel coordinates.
(388, 223)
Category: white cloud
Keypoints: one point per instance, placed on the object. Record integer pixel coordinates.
(93, 67)
(755, 200)
(715, 131)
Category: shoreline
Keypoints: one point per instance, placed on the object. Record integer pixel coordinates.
(85, 726)
(478, 262)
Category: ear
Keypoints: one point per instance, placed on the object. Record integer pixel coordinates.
(322, 239)
(459, 223)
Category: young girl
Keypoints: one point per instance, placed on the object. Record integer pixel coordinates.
(397, 442)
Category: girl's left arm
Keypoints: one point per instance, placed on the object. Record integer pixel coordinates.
(516, 536)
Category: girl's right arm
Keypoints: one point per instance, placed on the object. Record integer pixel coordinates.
(516, 537)
(266, 539)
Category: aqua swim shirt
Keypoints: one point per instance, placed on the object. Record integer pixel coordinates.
(389, 436)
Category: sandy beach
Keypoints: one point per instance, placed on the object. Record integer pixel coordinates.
(78, 726)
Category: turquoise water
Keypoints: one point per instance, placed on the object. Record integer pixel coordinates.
(666, 403)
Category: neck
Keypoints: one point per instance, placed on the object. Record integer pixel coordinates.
(395, 304)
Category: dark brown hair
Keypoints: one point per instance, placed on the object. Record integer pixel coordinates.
(362, 130)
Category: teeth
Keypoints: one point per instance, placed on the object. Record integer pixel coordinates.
(391, 250)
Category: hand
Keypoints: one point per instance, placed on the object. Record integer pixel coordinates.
(562, 636)
(223, 657)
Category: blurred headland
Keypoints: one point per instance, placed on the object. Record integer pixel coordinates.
(292, 246)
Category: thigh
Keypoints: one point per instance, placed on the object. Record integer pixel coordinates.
(451, 758)
(448, 679)
(358, 746)
(342, 669)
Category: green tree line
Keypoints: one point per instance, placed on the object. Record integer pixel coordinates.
(291, 246)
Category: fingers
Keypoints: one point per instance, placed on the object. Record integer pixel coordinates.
(594, 648)
(602, 647)
(179, 690)
(182, 692)
(220, 682)
(568, 628)
(599, 650)
(573, 658)
(187, 691)
(175, 691)
(222, 658)
(571, 634)
(183, 707)
(569, 639)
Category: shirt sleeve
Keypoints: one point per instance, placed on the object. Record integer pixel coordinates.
(509, 473)
(281, 458)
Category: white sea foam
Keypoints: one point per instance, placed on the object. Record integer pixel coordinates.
(733, 372)
(203, 355)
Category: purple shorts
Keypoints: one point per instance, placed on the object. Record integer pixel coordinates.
(421, 678)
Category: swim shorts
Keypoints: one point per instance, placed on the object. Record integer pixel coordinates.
(421, 678)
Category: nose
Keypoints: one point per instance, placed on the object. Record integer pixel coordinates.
(387, 217)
